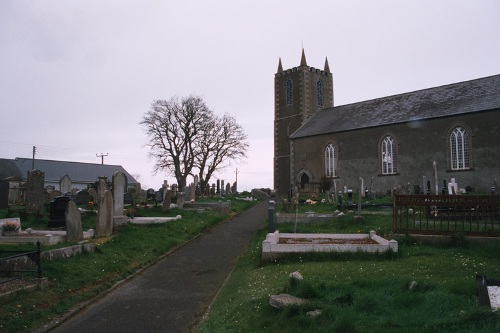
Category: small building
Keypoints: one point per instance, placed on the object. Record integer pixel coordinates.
(79, 175)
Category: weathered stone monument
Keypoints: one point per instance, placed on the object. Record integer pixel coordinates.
(73, 217)
(167, 200)
(35, 192)
(192, 192)
(119, 185)
(180, 199)
(102, 187)
(65, 184)
(105, 215)
(93, 193)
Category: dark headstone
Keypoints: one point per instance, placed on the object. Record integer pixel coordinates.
(159, 196)
(150, 194)
(4, 194)
(83, 197)
(127, 199)
(349, 197)
(57, 212)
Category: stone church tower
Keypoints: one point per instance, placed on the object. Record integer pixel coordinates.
(299, 92)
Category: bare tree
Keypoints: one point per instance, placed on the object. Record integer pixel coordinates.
(187, 138)
(173, 128)
(222, 140)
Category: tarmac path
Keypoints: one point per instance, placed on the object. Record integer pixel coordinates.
(172, 295)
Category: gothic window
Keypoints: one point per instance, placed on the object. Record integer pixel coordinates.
(459, 148)
(388, 153)
(330, 160)
(319, 92)
(289, 91)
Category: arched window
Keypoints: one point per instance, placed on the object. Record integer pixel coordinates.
(319, 92)
(388, 151)
(459, 148)
(289, 91)
(330, 161)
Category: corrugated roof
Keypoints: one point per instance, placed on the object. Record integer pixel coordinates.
(458, 98)
(77, 171)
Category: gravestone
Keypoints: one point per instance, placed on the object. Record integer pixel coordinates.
(212, 191)
(192, 192)
(167, 200)
(65, 184)
(228, 188)
(127, 199)
(234, 189)
(93, 193)
(73, 217)
(35, 192)
(119, 185)
(150, 194)
(222, 187)
(452, 187)
(159, 195)
(104, 226)
(174, 190)
(4, 194)
(180, 200)
(349, 197)
(57, 211)
(187, 193)
(218, 187)
(102, 187)
(83, 197)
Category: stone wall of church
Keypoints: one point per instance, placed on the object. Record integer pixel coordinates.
(419, 144)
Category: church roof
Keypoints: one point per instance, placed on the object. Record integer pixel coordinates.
(453, 99)
(77, 171)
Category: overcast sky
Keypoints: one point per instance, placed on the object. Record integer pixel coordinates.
(76, 77)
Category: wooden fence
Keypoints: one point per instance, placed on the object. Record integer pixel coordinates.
(447, 215)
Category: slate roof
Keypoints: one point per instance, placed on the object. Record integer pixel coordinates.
(453, 99)
(78, 172)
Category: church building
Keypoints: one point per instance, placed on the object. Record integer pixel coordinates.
(389, 141)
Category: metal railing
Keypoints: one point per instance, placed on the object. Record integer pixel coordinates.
(32, 255)
(447, 215)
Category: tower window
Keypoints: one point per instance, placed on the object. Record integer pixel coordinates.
(319, 92)
(330, 160)
(459, 148)
(388, 151)
(289, 91)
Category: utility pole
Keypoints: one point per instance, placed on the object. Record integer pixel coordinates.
(101, 156)
(236, 186)
(33, 160)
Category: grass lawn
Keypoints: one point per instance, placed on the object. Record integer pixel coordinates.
(72, 281)
(422, 288)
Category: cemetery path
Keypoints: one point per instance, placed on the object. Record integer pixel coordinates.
(172, 295)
